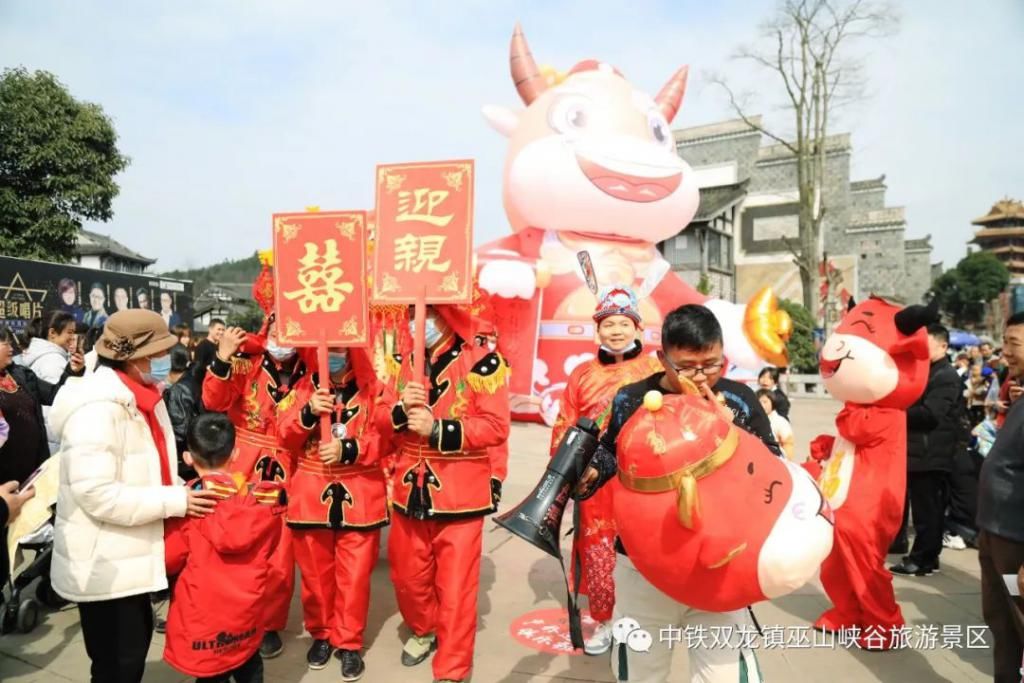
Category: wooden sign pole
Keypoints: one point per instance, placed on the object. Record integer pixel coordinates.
(420, 339)
(325, 381)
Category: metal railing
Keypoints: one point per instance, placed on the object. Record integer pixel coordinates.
(804, 386)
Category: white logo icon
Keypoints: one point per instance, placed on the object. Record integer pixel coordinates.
(627, 632)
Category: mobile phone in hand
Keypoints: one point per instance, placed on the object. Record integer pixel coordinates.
(27, 484)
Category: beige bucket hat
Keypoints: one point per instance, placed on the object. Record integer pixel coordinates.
(135, 333)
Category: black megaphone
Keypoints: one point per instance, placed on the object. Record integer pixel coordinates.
(538, 519)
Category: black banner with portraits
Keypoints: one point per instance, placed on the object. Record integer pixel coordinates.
(34, 288)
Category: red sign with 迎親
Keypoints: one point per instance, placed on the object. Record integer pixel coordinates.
(424, 233)
(320, 278)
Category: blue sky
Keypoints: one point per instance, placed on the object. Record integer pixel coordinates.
(231, 111)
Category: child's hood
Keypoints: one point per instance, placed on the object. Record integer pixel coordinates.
(241, 520)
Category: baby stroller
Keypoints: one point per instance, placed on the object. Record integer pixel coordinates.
(20, 610)
(31, 531)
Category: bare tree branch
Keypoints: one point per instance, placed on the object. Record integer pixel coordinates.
(747, 120)
(794, 249)
(810, 45)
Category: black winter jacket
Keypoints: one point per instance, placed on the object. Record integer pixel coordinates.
(932, 422)
(23, 464)
(183, 399)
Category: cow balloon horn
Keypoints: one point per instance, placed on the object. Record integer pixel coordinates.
(913, 318)
(851, 304)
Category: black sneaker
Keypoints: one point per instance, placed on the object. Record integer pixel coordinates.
(352, 666)
(910, 568)
(319, 655)
(271, 646)
(898, 548)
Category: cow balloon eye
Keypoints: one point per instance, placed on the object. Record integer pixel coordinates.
(660, 131)
(750, 468)
(570, 114)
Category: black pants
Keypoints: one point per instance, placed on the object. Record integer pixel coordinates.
(998, 556)
(928, 496)
(250, 672)
(963, 494)
(901, 544)
(117, 635)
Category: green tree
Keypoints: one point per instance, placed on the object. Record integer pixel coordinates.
(803, 359)
(250, 318)
(963, 292)
(704, 284)
(58, 159)
(241, 270)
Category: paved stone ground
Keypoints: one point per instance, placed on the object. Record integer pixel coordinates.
(517, 579)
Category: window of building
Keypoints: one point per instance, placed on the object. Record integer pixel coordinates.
(719, 248)
(683, 250)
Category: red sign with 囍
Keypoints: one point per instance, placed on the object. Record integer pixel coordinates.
(320, 278)
(547, 630)
(424, 232)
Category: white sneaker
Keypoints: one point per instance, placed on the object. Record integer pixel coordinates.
(600, 642)
(953, 542)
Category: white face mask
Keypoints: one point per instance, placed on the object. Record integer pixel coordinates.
(279, 353)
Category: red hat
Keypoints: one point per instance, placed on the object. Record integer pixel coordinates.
(472, 320)
(617, 300)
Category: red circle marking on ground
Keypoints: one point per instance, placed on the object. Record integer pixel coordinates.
(547, 630)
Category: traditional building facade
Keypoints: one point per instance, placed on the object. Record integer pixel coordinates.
(749, 207)
(104, 253)
(1001, 234)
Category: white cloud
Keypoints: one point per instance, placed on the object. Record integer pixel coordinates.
(231, 111)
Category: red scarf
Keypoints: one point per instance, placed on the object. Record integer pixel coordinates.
(146, 398)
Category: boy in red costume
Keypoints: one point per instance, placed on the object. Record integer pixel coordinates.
(447, 436)
(877, 362)
(337, 504)
(592, 385)
(249, 379)
(222, 561)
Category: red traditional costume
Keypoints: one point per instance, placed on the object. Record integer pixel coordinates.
(445, 484)
(251, 390)
(336, 511)
(592, 385)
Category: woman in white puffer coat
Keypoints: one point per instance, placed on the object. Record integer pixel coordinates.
(117, 486)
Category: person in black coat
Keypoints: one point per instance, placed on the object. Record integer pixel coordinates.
(183, 400)
(769, 379)
(932, 439)
(206, 350)
(22, 397)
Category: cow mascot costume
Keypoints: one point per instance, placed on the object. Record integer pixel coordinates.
(876, 361)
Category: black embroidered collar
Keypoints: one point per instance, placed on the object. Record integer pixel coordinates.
(607, 358)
